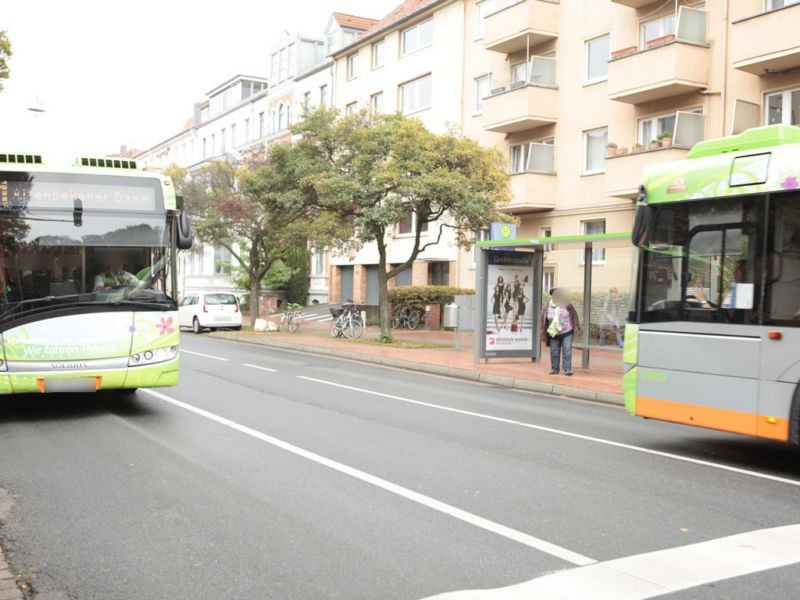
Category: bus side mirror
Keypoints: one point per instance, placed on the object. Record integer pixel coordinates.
(642, 224)
(184, 227)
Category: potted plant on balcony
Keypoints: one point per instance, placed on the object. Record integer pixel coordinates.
(621, 151)
(654, 144)
(664, 39)
(637, 147)
(611, 149)
(666, 139)
(623, 52)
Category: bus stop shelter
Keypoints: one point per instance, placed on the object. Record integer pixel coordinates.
(509, 286)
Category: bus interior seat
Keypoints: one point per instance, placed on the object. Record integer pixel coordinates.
(64, 288)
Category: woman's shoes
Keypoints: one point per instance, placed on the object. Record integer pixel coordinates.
(568, 373)
(553, 372)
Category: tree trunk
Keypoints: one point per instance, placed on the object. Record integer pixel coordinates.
(384, 306)
(255, 300)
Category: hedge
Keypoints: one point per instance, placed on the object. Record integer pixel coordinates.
(419, 296)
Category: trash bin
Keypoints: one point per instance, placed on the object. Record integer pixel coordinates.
(450, 316)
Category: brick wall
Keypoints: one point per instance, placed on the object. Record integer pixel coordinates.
(419, 273)
(433, 317)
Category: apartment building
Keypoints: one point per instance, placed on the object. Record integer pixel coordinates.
(580, 95)
(245, 113)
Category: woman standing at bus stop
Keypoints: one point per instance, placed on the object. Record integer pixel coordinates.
(558, 324)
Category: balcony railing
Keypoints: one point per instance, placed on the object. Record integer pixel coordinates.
(533, 187)
(526, 103)
(767, 43)
(520, 25)
(624, 168)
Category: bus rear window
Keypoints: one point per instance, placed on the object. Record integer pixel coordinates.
(216, 299)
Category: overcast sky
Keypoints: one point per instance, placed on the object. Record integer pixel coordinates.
(113, 73)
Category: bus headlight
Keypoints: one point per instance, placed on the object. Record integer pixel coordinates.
(150, 357)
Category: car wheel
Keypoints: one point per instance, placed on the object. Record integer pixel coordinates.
(237, 328)
(196, 326)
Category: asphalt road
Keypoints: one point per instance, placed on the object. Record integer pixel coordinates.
(269, 474)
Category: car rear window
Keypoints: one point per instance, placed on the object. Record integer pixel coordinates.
(220, 299)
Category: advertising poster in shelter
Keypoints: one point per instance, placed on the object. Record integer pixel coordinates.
(509, 318)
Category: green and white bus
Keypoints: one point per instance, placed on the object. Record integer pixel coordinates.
(87, 276)
(714, 334)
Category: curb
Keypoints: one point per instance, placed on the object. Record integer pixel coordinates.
(507, 381)
(8, 585)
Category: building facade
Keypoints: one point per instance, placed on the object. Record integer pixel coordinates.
(245, 113)
(580, 95)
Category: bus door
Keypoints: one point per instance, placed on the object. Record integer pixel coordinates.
(780, 355)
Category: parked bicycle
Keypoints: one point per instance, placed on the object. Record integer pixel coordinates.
(347, 322)
(291, 317)
(404, 317)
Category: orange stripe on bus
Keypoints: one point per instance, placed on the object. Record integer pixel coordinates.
(711, 417)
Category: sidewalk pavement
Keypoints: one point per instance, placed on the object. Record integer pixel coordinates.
(434, 352)
(8, 586)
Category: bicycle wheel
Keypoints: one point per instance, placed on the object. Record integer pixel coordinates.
(294, 323)
(353, 329)
(413, 320)
(336, 328)
(397, 319)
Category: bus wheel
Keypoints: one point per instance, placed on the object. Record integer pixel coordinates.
(196, 326)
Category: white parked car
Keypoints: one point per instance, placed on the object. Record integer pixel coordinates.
(210, 310)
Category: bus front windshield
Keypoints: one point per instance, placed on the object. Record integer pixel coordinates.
(48, 259)
(723, 260)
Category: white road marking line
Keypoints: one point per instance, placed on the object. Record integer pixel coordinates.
(260, 368)
(656, 573)
(203, 355)
(462, 515)
(570, 434)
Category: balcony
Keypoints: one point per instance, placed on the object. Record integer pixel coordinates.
(670, 69)
(624, 169)
(525, 104)
(534, 187)
(766, 43)
(624, 172)
(521, 25)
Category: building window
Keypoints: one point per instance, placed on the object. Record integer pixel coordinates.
(352, 66)
(408, 226)
(222, 139)
(261, 125)
(657, 28)
(415, 95)
(439, 272)
(776, 4)
(306, 101)
(595, 227)
(214, 144)
(480, 236)
(548, 279)
(519, 158)
(317, 262)
(481, 90)
(247, 130)
(546, 232)
(598, 53)
(323, 95)
(687, 127)
(282, 121)
(351, 108)
(222, 261)
(234, 140)
(481, 10)
(417, 37)
(594, 150)
(783, 108)
(205, 148)
(376, 103)
(378, 54)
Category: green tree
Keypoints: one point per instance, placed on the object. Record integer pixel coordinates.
(369, 174)
(5, 55)
(251, 209)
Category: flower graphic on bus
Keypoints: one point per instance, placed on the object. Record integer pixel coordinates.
(790, 183)
(165, 326)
